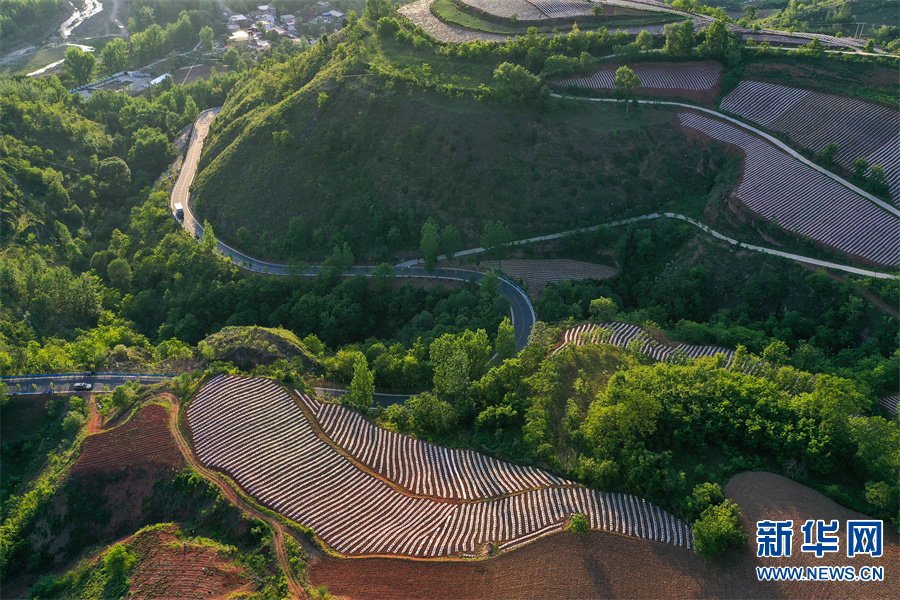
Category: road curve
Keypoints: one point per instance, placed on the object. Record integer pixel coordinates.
(522, 312)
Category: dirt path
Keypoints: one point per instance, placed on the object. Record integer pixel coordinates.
(279, 532)
(94, 421)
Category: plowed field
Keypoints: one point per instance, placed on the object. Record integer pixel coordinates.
(142, 440)
(605, 565)
(168, 569)
(766, 496)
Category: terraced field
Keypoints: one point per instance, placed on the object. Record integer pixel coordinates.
(272, 445)
(622, 334)
(561, 9)
(524, 11)
(143, 440)
(813, 120)
(438, 472)
(781, 189)
(890, 403)
(663, 76)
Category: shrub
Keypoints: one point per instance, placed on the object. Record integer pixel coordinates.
(118, 560)
(718, 528)
(578, 524)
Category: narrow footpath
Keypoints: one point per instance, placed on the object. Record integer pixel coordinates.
(279, 531)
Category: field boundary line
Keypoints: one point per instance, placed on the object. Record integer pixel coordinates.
(317, 428)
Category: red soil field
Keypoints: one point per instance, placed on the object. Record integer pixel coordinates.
(143, 440)
(764, 496)
(603, 565)
(166, 569)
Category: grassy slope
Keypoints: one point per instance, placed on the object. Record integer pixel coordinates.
(370, 159)
(862, 80)
(874, 13)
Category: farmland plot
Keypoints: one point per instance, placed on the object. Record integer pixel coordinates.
(253, 430)
(622, 334)
(668, 76)
(889, 403)
(524, 11)
(437, 472)
(780, 188)
(814, 120)
(560, 9)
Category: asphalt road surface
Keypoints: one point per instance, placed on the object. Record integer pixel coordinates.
(63, 382)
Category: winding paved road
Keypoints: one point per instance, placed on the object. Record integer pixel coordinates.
(523, 317)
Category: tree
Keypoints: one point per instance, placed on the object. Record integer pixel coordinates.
(79, 65)
(362, 387)
(718, 528)
(495, 237)
(114, 175)
(860, 168)
(118, 560)
(119, 272)
(878, 180)
(505, 346)
(73, 422)
(123, 395)
(207, 35)
(150, 151)
(625, 83)
(209, 237)
(603, 309)
(813, 49)
(181, 33)
(430, 244)
(149, 44)
(705, 495)
(828, 154)
(115, 56)
(376, 9)
(231, 58)
(679, 39)
(717, 41)
(515, 82)
(750, 11)
(451, 369)
(191, 111)
(429, 413)
(383, 275)
(644, 39)
(450, 240)
(341, 257)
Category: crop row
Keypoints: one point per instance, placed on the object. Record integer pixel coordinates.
(814, 119)
(670, 76)
(560, 9)
(253, 430)
(424, 468)
(889, 404)
(523, 10)
(780, 188)
(622, 334)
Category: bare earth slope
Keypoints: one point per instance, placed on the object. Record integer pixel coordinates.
(606, 565)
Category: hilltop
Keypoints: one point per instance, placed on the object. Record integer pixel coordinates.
(353, 128)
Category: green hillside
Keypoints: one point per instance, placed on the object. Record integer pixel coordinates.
(298, 161)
